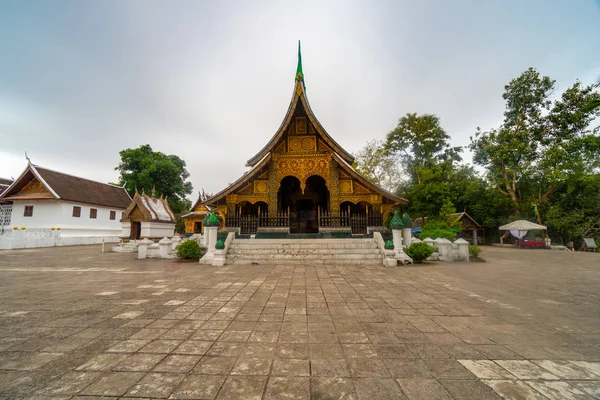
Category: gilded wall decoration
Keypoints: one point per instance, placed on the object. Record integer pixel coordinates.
(301, 144)
(261, 186)
(302, 168)
(34, 186)
(252, 199)
(311, 129)
(334, 191)
(301, 125)
(360, 189)
(273, 186)
(346, 186)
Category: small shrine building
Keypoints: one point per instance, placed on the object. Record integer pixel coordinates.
(301, 181)
(148, 217)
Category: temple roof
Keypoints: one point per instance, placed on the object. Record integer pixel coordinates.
(59, 185)
(5, 184)
(299, 95)
(155, 209)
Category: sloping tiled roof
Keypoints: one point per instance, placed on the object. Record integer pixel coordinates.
(154, 209)
(4, 184)
(72, 188)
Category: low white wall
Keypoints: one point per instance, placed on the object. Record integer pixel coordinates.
(157, 229)
(33, 238)
(49, 214)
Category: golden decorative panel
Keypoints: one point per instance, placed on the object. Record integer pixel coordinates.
(311, 128)
(360, 189)
(343, 174)
(301, 125)
(346, 186)
(302, 144)
(34, 186)
(261, 186)
(280, 148)
(303, 168)
(355, 198)
(246, 189)
(253, 199)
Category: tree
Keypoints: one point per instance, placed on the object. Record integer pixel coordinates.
(145, 169)
(541, 142)
(379, 165)
(420, 142)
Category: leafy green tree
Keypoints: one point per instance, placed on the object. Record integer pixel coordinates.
(144, 169)
(420, 142)
(376, 163)
(541, 142)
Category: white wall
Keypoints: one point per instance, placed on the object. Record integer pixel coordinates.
(57, 213)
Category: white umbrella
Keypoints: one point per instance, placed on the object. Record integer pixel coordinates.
(521, 225)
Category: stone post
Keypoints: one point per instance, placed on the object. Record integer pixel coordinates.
(219, 258)
(176, 242)
(475, 237)
(397, 237)
(463, 249)
(211, 232)
(407, 235)
(444, 247)
(143, 248)
(165, 247)
(205, 236)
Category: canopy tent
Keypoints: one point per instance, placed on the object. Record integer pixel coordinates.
(521, 225)
(519, 229)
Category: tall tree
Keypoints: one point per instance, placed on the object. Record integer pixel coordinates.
(144, 169)
(540, 142)
(420, 141)
(379, 165)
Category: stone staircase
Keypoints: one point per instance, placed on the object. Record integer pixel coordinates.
(304, 251)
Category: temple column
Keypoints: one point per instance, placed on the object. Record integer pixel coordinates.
(334, 190)
(273, 189)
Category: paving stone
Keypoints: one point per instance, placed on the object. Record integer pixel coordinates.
(290, 367)
(591, 367)
(376, 389)
(128, 346)
(288, 388)
(177, 363)
(252, 366)
(359, 350)
(524, 369)
(263, 337)
(589, 387)
(448, 369)
(485, 369)
(70, 383)
(113, 384)
(292, 350)
(558, 390)
(102, 362)
(353, 337)
(329, 367)
(469, 390)
(410, 368)
(139, 362)
(332, 389)
(321, 350)
(199, 387)
(246, 387)
(496, 352)
(224, 349)
(193, 347)
(423, 389)
(566, 369)
(32, 361)
(160, 346)
(368, 367)
(215, 365)
(156, 385)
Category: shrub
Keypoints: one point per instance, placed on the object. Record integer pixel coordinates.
(219, 245)
(436, 230)
(419, 251)
(389, 245)
(474, 251)
(189, 250)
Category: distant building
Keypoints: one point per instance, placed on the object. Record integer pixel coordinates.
(148, 217)
(42, 200)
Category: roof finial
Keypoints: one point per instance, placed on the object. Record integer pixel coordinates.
(27, 158)
(299, 73)
(154, 191)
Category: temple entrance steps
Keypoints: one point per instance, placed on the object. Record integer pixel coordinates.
(300, 251)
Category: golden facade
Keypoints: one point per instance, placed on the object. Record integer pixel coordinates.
(301, 174)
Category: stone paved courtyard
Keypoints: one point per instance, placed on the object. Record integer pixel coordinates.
(77, 324)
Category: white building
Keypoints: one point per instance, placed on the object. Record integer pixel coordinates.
(48, 208)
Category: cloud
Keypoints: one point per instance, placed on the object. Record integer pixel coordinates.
(81, 81)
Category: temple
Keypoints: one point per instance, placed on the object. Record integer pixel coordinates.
(301, 181)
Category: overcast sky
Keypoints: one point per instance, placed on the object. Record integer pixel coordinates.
(211, 81)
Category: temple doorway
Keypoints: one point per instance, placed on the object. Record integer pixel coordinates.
(303, 207)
